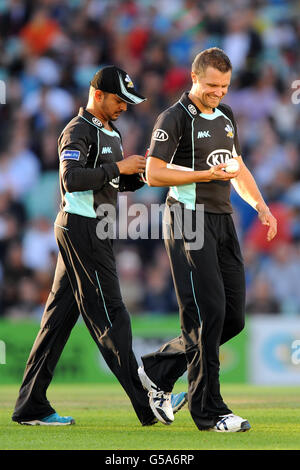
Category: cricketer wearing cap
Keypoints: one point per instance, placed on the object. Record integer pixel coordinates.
(92, 171)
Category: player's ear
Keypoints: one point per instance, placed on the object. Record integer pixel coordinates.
(99, 95)
(194, 77)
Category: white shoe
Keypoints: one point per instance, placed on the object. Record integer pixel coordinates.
(160, 402)
(231, 423)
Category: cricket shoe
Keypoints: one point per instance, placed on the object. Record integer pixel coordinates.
(178, 400)
(231, 423)
(163, 404)
(52, 420)
(160, 403)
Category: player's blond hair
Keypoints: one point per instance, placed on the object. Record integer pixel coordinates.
(213, 57)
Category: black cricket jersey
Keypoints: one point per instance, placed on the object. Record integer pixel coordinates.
(89, 175)
(188, 139)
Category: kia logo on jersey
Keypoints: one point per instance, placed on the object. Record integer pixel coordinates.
(218, 156)
(192, 109)
(160, 135)
(97, 122)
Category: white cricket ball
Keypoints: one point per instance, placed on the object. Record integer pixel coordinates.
(232, 166)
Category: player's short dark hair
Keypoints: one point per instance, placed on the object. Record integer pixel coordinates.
(213, 57)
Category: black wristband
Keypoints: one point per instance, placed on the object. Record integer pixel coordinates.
(111, 170)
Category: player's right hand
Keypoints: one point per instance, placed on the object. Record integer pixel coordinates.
(217, 173)
(132, 164)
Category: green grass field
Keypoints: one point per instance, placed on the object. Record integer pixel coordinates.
(106, 421)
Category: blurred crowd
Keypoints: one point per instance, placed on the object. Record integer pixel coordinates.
(50, 49)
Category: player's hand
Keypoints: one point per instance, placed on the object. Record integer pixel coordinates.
(132, 164)
(217, 173)
(267, 218)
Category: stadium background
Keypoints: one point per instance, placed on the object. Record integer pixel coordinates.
(49, 51)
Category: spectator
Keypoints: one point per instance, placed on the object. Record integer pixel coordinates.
(13, 271)
(158, 297)
(129, 268)
(39, 245)
(241, 42)
(40, 33)
(262, 298)
(19, 168)
(27, 302)
(12, 218)
(282, 271)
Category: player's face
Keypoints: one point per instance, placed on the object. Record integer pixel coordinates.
(111, 106)
(211, 87)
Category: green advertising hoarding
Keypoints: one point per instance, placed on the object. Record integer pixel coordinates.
(81, 361)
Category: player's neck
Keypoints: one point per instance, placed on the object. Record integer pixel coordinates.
(203, 108)
(90, 108)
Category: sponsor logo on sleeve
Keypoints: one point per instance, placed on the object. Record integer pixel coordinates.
(70, 155)
(160, 135)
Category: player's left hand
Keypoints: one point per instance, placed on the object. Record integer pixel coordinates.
(267, 218)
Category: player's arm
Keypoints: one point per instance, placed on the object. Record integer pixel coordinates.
(158, 174)
(130, 169)
(246, 187)
(78, 178)
(73, 149)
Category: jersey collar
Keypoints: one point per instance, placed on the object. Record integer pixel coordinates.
(190, 107)
(90, 118)
(94, 121)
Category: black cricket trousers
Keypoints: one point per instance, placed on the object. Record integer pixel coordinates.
(210, 289)
(85, 283)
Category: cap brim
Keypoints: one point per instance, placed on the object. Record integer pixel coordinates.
(137, 98)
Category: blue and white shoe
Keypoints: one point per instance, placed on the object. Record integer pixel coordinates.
(178, 400)
(163, 404)
(52, 420)
(231, 423)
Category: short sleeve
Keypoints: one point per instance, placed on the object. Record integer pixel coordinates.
(165, 136)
